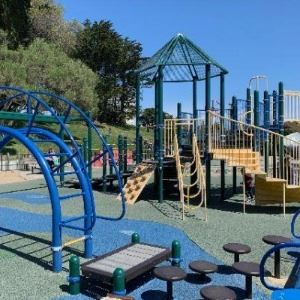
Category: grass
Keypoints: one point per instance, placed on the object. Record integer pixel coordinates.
(79, 131)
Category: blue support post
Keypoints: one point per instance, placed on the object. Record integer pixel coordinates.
(267, 126)
(281, 126)
(222, 110)
(234, 169)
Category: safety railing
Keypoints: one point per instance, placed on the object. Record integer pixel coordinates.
(193, 173)
(271, 153)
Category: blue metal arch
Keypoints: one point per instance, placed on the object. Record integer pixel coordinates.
(293, 223)
(267, 255)
(102, 139)
(52, 188)
(36, 96)
(57, 221)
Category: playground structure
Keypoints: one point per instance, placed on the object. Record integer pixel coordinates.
(248, 135)
(29, 132)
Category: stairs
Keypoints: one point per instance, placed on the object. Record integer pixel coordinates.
(243, 158)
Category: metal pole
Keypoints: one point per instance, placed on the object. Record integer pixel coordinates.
(61, 160)
(89, 146)
(267, 126)
(235, 117)
(281, 126)
(193, 167)
(222, 110)
(275, 124)
(194, 97)
(248, 107)
(155, 130)
(160, 134)
(137, 119)
(207, 108)
(179, 129)
(256, 120)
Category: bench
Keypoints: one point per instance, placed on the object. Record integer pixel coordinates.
(134, 259)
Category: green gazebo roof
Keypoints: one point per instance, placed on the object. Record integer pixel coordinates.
(181, 61)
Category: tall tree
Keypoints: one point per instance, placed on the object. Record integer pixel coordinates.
(14, 20)
(114, 59)
(46, 21)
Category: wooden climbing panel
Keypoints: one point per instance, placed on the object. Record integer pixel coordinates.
(137, 181)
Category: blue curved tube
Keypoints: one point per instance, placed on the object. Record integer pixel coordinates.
(35, 95)
(267, 255)
(293, 230)
(52, 188)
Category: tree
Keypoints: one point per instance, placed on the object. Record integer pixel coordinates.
(147, 117)
(14, 20)
(46, 21)
(114, 59)
(58, 73)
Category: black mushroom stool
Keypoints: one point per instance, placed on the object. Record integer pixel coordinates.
(203, 267)
(249, 269)
(169, 274)
(215, 292)
(236, 249)
(275, 240)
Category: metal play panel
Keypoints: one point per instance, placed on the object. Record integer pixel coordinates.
(134, 259)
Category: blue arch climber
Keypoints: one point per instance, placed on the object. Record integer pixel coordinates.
(32, 136)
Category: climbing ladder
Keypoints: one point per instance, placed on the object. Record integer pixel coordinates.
(191, 179)
(34, 138)
(190, 173)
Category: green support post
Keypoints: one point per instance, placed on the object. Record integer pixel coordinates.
(222, 110)
(194, 97)
(234, 169)
(104, 170)
(193, 167)
(179, 129)
(156, 130)
(89, 147)
(74, 275)
(267, 126)
(125, 154)
(135, 238)
(61, 160)
(207, 154)
(281, 126)
(176, 254)
(119, 282)
(160, 135)
(121, 154)
(141, 148)
(85, 148)
(137, 117)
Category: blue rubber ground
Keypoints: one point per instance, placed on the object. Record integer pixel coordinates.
(109, 235)
(28, 197)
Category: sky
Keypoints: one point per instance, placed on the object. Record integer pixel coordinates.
(249, 38)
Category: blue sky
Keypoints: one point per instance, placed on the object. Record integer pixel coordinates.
(247, 37)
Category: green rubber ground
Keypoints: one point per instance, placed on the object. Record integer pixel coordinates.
(22, 278)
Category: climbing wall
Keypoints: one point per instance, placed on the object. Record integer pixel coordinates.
(137, 181)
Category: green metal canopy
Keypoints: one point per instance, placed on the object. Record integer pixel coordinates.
(181, 61)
